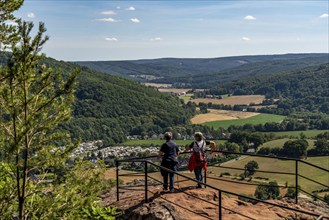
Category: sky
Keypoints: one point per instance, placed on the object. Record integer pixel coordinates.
(125, 30)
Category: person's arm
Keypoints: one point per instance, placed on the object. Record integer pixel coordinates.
(161, 151)
(212, 144)
(188, 147)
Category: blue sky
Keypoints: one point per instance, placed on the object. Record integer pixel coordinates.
(123, 30)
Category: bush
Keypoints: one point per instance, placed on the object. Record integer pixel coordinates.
(99, 212)
(291, 193)
(326, 198)
(267, 191)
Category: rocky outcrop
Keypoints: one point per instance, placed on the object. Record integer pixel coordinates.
(192, 204)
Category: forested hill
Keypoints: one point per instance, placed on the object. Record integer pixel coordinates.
(184, 70)
(110, 107)
(302, 90)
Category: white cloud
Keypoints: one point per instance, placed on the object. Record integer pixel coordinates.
(249, 18)
(111, 39)
(108, 13)
(246, 39)
(107, 20)
(135, 20)
(118, 7)
(131, 8)
(324, 16)
(156, 39)
(31, 15)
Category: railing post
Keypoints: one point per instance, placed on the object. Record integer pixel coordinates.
(146, 188)
(220, 204)
(117, 178)
(296, 181)
(205, 178)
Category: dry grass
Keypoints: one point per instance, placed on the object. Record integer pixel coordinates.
(174, 90)
(234, 100)
(221, 115)
(158, 85)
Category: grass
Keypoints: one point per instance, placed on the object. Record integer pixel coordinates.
(159, 142)
(308, 133)
(280, 143)
(186, 98)
(268, 164)
(258, 119)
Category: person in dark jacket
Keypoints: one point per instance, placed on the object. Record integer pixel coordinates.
(169, 152)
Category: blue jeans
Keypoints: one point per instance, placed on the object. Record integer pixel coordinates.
(198, 174)
(171, 181)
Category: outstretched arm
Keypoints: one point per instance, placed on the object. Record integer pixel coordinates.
(213, 145)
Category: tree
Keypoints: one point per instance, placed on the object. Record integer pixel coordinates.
(250, 168)
(33, 101)
(321, 147)
(232, 147)
(295, 148)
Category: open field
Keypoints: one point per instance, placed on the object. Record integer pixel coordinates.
(158, 85)
(308, 133)
(284, 166)
(280, 143)
(221, 115)
(258, 119)
(229, 186)
(234, 100)
(186, 97)
(174, 90)
(159, 142)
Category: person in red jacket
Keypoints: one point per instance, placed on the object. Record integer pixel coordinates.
(198, 159)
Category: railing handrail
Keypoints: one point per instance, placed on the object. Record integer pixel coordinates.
(227, 192)
(236, 153)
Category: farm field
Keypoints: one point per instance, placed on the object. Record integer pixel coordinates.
(221, 115)
(268, 164)
(308, 133)
(174, 90)
(159, 142)
(280, 143)
(229, 186)
(258, 119)
(186, 97)
(234, 100)
(158, 85)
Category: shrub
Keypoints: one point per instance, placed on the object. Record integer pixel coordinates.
(99, 212)
(267, 191)
(326, 198)
(291, 193)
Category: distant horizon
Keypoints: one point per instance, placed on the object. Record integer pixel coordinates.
(85, 30)
(159, 58)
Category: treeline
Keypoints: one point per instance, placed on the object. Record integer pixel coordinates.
(241, 141)
(305, 90)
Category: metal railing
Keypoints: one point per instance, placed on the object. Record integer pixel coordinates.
(220, 191)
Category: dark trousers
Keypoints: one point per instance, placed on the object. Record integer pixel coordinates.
(172, 166)
(198, 174)
(165, 180)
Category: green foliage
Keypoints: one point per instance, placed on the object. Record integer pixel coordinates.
(295, 148)
(267, 191)
(232, 147)
(326, 198)
(291, 193)
(250, 168)
(255, 120)
(99, 212)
